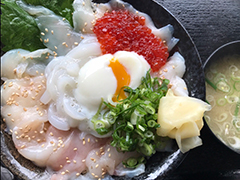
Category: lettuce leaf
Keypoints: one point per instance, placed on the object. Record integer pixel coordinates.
(18, 28)
(62, 8)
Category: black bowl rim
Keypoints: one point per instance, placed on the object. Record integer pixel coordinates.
(218, 50)
(183, 156)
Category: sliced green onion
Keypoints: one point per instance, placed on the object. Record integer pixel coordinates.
(149, 109)
(232, 99)
(236, 124)
(237, 108)
(222, 117)
(147, 149)
(233, 68)
(140, 111)
(223, 86)
(103, 131)
(129, 127)
(111, 117)
(151, 123)
(155, 116)
(140, 127)
(219, 77)
(98, 124)
(166, 81)
(134, 120)
(236, 121)
(221, 101)
(124, 146)
(139, 133)
(148, 134)
(236, 86)
(135, 117)
(235, 76)
(211, 84)
(132, 162)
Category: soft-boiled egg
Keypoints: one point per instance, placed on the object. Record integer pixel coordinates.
(105, 76)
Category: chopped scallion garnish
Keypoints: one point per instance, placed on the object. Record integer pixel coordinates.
(134, 119)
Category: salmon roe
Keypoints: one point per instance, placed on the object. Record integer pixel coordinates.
(122, 31)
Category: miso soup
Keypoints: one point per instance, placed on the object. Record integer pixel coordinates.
(223, 93)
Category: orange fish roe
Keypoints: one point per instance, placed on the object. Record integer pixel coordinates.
(121, 30)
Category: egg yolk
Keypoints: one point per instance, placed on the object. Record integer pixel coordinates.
(123, 79)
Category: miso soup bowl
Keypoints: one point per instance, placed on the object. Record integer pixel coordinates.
(219, 123)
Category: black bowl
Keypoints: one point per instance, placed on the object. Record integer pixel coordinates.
(161, 164)
(228, 49)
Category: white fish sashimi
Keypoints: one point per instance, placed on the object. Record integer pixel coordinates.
(73, 150)
(179, 86)
(16, 115)
(87, 49)
(104, 160)
(56, 32)
(30, 139)
(174, 70)
(18, 63)
(23, 91)
(122, 171)
(83, 16)
(25, 116)
(175, 66)
(19, 100)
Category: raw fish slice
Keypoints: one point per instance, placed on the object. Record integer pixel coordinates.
(174, 70)
(83, 16)
(16, 115)
(56, 32)
(105, 159)
(73, 151)
(31, 141)
(179, 87)
(174, 67)
(20, 100)
(19, 63)
(25, 92)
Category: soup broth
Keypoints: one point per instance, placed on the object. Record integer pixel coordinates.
(223, 93)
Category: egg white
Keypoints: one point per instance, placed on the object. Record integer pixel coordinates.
(97, 81)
